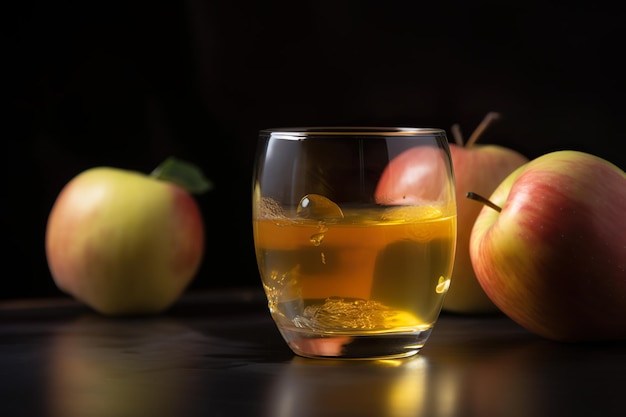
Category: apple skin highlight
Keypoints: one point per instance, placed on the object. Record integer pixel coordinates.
(554, 258)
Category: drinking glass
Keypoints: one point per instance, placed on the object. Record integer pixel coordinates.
(354, 234)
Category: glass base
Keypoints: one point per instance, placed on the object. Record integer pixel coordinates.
(360, 346)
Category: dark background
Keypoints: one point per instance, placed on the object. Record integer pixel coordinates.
(127, 85)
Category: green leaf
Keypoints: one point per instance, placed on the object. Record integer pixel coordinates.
(184, 174)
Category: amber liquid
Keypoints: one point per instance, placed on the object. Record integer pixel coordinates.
(374, 271)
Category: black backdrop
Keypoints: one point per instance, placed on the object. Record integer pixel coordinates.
(126, 85)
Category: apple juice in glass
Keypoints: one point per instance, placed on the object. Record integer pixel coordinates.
(354, 251)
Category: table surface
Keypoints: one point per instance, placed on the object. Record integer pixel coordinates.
(217, 353)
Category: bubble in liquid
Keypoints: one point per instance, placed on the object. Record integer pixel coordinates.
(318, 207)
(269, 208)
(442, 285)
(356, 314)
(317, 238)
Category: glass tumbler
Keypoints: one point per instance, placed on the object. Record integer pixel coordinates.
(355, 235)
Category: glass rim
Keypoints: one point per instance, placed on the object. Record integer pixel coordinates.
(299, 132)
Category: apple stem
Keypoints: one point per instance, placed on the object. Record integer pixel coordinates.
(456, 133)
(490, 117)
(483, 200)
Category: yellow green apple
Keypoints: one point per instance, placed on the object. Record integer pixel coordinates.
(124, 242)
(478, 168)
(550, 251)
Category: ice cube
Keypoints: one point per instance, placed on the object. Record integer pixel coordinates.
(318, 207)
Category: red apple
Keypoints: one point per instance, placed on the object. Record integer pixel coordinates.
(554, 258)
(124, 242)
(477, 168)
